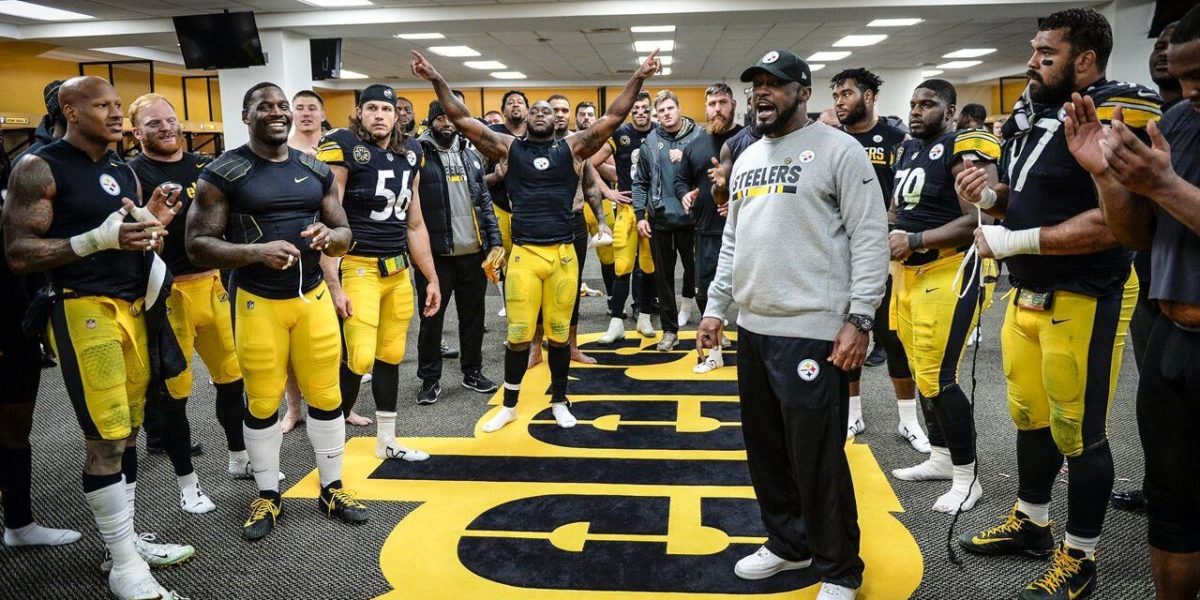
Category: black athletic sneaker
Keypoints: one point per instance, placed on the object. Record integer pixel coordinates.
(155, 446)
(1016, 535)
(476, 381)
(877, 357)
(337, 503)
(1131, 501)
(429, 392)
(448, 352)
(264, 512)
(1072, 575)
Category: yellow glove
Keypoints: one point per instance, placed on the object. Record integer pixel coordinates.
(494, 264)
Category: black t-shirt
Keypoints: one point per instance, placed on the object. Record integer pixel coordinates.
(185, 172)
(379, 185)
(625, 141)
(924, 194)
(87, 192)
(738, 143)
(499, 191)
(541, 183)
(1141, 258)
(1047, 186)
(693, 174)
(271, 201)
(880, 142)
(1175, 253)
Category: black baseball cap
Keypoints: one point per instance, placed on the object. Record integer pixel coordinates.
(377, 93)
(782, 64)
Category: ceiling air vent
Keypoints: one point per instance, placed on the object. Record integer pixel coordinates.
(601, 30)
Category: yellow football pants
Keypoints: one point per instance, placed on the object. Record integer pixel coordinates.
(541, 278)
(504, 222)
(382, 307)
(628, 245)
(198, 310)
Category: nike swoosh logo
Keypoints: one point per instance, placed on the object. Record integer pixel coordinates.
(983, 542)
(201, 165)
(162, 556)
(1057, 321)
(321, 295)
(928, 290)
(868, 180)
(301, 179)
(1073, 594)
(333, 455)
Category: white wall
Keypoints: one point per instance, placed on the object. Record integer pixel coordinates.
(288, 65)
(1130, 58)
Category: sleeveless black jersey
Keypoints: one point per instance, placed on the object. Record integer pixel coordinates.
(881, 142)
(624, 141)
(923, 191)
(379, 189)
(87, 192)
(271, 201)
(1047, 186)
(185, 172)
(499, 192)
(541, 184)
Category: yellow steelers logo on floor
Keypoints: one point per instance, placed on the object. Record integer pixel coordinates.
(648, 497)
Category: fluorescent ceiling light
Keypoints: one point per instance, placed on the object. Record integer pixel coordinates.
(969, 53)
(931, 72)
(651, 45)
(508, 75)
(814, 67)
(420, 36)
(337, 3)
(828, 56)
(41, 13)
(652, 29)
(854, 41)
(665, 71)
(959, 64)
(485, 65)
(348, 74)
(453, 51)
(665, 60)
(894, 22)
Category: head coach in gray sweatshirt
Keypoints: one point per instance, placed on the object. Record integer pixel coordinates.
(804, 253)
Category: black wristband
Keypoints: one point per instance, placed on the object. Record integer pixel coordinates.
(916, 241)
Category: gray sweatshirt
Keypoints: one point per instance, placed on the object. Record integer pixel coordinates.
(806, 239)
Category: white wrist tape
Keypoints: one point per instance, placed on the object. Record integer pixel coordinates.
(105, 237)
(1005, 242)
(987, 199)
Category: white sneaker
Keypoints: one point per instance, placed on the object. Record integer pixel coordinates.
(239, 466)
(937, 468)
(616, 331)
(685, 312)
(975, 336)
(158, 556)
(764, 563)
(832, 591)
(367, 379)
(645, 327)
(192, 499)
(726, 343)
(562, 415)
(136, 584)
(503, 417)
(957, 499)
(385, 449)
(855, 427)
(713, 362)
(502, 312)
(916, 438)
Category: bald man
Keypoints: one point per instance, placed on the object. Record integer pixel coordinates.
(68, 213)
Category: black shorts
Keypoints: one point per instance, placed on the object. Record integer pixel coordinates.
(1168, 413)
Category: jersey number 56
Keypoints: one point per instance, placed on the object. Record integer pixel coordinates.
(396, 205)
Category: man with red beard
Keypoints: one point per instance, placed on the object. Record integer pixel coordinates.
(694, 190)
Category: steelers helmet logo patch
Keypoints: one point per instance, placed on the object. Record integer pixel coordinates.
(250, 305)
(807, 156)
(412, 158)
(362, 156)
(769, 57)
(808, 369)
(390, 157)
(109, 185)
(388, 93)
(624, 140)
(936, 152)
(1062, 114)
(90, 323)
(660, 145)
(541, 163)
(878, 138)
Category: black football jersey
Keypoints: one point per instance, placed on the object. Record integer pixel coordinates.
(185, 172)
(923, 185)
(625, 141)
(880, 143)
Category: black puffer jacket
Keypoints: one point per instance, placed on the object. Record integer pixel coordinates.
(435, 201)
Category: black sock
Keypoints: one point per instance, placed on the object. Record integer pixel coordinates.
(229, 413)
(931, 423)
(129, 464)
(16, 477)
(350, 383)
(1038, 463)
(620, 293)
(385, 385)
(254, 422)
(954, 418)
(177, 434)
(516, 362)
(560, 364)
(92, 483)
(1088, 487)
(608, 273)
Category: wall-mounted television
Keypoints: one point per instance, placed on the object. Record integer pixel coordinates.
(227, 40)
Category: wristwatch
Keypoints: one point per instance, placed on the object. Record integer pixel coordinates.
(861, 322)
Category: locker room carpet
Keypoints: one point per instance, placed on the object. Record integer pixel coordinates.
(648, 497)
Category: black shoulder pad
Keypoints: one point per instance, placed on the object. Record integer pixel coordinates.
(315, 164)
(230, 166)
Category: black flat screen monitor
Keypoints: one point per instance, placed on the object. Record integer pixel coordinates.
(222, 41)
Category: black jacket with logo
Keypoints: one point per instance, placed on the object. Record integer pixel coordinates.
(435, 201)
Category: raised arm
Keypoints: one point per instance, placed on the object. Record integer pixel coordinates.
(587, 142)
(491, 144)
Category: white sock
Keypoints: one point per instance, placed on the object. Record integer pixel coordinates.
(328, 439)
(262, 446)
(936, 467)
(562, 415)
(1039, 514)
(385, 426)
(186, 480)
(130, 498)
(1088, 545)
(110, 508)
(855, 408)
(908, 411)
(503, 417)
(964, 492)
(37, 535)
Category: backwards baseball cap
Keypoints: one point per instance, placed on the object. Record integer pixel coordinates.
(50, 95)
(377, 93)
(783, 65)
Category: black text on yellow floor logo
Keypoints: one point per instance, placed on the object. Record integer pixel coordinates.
(648, 497)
